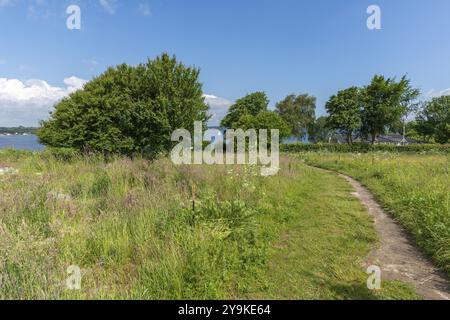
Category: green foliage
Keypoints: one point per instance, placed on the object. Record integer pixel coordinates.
(128, 110)
(251, 104)
(265, 120)
(299, 112)
(385, 102)
(320, 131)
(344, 111)
(381, 106)
(365, 148)
(433, 121)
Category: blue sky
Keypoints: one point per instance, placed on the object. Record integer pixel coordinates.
(241, 46)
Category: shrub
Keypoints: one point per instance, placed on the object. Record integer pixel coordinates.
(128, 110)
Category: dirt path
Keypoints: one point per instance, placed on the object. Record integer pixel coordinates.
(397, 256)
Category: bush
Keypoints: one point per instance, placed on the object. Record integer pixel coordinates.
(364, 148)
(128, 110)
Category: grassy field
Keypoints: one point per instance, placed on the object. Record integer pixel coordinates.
(415, 188)
(151, 230)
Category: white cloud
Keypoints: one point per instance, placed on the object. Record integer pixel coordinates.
(73, 83)
(218, 108)
(144, 9)
(435, 94)
(109, 6)
(27, 102)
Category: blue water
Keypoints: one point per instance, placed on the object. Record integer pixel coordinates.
(20, 143)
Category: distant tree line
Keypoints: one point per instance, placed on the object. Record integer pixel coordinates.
(383, 106)
(18, 130)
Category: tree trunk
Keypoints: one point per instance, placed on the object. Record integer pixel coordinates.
(374, 138)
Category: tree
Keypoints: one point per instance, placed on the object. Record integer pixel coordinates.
(251, 104)
(433, 121)
(384, 105)
(299, 112)
(344, 111)
(410, 105)
(264, 120)
(321, 132)
(129, 110)
(412, 131)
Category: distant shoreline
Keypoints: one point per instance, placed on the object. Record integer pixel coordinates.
(17, 131)
(16, 134)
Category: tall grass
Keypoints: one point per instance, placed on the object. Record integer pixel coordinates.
(152, 230)
(415, 188)
(132, 226)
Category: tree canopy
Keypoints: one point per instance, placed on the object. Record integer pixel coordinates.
(264, 120)
(251, 104)
(344, 111)
(129, 109)
(433, 121)
(321, 131)
(384, 104)
(299, 112)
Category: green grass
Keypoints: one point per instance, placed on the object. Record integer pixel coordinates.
(131, 227)
(415, 188)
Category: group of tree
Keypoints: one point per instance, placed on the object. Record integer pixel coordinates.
(134, 110)
(372, 110)
(252, 112)
(293, 116)
(385, 106)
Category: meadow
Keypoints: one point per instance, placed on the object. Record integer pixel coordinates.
(153, 230)
(414, 188)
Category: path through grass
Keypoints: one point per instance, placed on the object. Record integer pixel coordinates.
(414, 188)
(130, 226)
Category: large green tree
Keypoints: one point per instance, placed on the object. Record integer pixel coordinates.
(384, 105)
(433, 121)
(299, 112)
(251, 104)
(344, 111)
(129, 110)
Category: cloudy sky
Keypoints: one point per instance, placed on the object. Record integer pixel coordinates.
(281, 47)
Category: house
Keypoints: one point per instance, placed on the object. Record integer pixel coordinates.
(397, 139)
